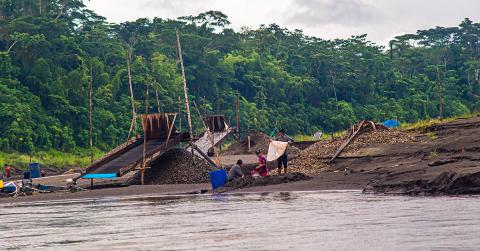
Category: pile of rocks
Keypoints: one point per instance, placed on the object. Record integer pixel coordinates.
(176, 166)
(315, 159)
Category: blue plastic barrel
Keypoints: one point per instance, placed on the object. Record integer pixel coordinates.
(218, 178)
(34, 169)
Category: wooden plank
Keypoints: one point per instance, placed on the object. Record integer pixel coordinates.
(347, 142)
(156, 152)
(170, 131)
(210, 161)
(205, 142)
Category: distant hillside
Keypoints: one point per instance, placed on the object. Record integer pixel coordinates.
(285, 79)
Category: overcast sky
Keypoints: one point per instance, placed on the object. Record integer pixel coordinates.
(380, 19)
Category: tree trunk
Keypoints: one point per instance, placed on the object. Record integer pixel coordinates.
(332, 77)
(156, 87)
(438, 92)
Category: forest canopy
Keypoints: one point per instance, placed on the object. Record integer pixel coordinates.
(285, 78)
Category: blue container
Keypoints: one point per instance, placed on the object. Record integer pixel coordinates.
(391, 123)
(34, 169)
(9, 188)
(218, 178)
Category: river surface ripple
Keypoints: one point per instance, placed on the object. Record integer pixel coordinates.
(328, 220)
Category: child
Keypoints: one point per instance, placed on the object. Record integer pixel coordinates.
(262, 167)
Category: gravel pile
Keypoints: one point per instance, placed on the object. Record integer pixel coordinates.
(250, 181)
(258, 141)
(314, 159)
(175, 167)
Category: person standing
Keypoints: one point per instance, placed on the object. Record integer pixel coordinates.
(262, 167)
(8, 171)
(283, 160)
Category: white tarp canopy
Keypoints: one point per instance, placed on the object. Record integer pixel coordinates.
(276, 149)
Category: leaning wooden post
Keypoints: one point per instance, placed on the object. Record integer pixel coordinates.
(201, 117)
(170, 130)
(91, 113)
(144, 126)
(133, 125)
(185, 89)
(146, 95)
(238, 115)
(179, 114)
(91, 120)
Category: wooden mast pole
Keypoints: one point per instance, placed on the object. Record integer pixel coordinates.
(179, 114)
(238, 115)
(144, 126)
(133, 125)
(91, 120)
(185, 89)
(146, 94)
(91, 113)
(156, 87)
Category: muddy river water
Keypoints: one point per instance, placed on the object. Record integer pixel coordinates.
(331, 220)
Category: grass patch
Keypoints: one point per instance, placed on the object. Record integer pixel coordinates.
(325, 136)
(432, 136)
(422, 125)
(303, 137)
(51, 159)
(225, 145)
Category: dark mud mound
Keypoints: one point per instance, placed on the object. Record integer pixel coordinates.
(250, 181)
(258, 141)
(459, 124)
(177, 166)
(447, 183)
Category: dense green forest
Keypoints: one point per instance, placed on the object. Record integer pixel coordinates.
(285, 78)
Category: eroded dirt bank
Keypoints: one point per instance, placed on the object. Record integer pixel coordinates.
(444, 162)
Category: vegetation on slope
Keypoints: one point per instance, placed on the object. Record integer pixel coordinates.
(285, 78)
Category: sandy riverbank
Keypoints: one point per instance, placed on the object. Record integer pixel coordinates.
(329, 181)
(444, 159)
